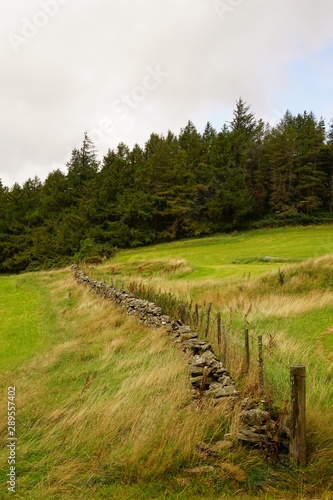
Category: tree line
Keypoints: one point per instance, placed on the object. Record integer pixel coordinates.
(247, 175)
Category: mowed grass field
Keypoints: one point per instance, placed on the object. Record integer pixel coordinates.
(104, 407)
(25, 313)
(230, 256)
(284, 276)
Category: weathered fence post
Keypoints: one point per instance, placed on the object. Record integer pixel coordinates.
(196, 315)
(182, 313)
(111, 281)
(224, 348)
(97, 276)
(208, 317)
(104, 279)
(218, 319)
(122, 285)
(297, 415)
(260, 365)
(247, 350)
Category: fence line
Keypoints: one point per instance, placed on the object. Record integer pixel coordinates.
(232, 343)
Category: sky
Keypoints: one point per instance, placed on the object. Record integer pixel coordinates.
(122, 69)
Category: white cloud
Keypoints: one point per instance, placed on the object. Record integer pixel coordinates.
(67, 77)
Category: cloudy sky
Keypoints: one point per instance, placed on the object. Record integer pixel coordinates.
(121, 69)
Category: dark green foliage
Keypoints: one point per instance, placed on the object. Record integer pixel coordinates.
(247, 175)
(92, 252)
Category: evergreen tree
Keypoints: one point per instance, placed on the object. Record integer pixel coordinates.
(329, 168)
(310, 177)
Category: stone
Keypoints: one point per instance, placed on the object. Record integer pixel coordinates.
(197, 347)
(184, 329)
(222, 393)
(248, 404)
(221, 446)
(195, 370)
(188, 336)
(202, 446)
(248, 436)
(203, 469)
(209, 356)
(225, 380)
(196, 381)
(198, 361)
(214, 448)
(253, 417)
(218, 369)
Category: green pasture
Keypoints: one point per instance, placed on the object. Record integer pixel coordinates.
(252, 267)
(104, 401)
(20, 321)
(28, 324)
(232, 256)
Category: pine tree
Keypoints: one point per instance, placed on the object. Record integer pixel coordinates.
(309, 173)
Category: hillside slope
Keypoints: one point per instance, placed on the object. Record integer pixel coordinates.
(104, 408)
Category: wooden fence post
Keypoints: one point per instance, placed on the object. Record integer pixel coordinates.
(224, 348)
(196, 315)
(208, 317)
(297, 415)
(182, 313)
(260, 365)
(111, 281)
(247, 350)
(218, 319)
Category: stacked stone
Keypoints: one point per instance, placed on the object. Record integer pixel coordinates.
(258, 429)
(208, 376)
(148, 312)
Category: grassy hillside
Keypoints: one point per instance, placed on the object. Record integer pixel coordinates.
(27, 319)
(278, 283)
(104, 408)
(230, 256)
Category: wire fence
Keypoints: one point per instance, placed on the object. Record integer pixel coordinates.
(254, 362)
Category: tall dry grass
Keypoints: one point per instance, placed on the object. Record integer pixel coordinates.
(106, 412)
(111, 404)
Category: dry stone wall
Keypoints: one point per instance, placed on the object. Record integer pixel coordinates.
(207, 375)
